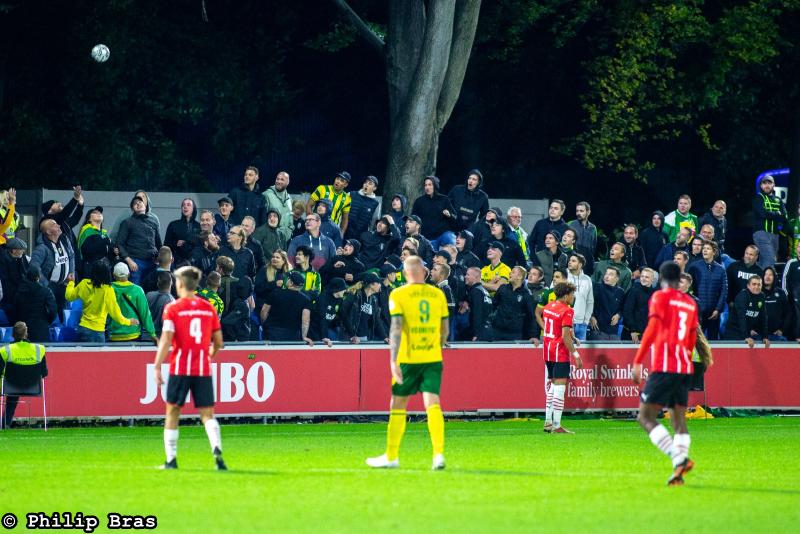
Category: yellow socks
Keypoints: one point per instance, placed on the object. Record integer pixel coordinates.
(394, 434)
(436, 428)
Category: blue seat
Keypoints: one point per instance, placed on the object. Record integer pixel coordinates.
(55, 331)
(7, 335)
(57, 320)
(77, 304)
(67, 334)
(4, 318)
(72, 318)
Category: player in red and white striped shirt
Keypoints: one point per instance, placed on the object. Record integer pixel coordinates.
(670, 339)
(557, 346)
(191, 328)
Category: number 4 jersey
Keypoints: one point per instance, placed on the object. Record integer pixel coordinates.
(192, 321)
(675, 335)
(555, 317)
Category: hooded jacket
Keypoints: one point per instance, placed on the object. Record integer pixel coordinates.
(132, 303)
(467, 258)
(326, 227)
(375, 247)
(482, 235)
(183, 229)
(36, 306)
(634, 256)
(323, 248)
(352, 313)
(364, 209)
(653, 240)
(138, 238)
(246, 202)
(352, 265)
(272, 239)
(281, 202)
(430, 208)
(469, 205)
(324, 315)
(397, 216)
(12, 273)
(480, 310)
(152, 218)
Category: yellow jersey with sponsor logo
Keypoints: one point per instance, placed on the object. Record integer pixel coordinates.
(422, 307)
(488, 273)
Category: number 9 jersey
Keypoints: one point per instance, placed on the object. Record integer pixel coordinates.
(192, 321)
(676, 331)
(422, 308)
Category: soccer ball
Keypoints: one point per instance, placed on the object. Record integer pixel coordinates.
(100, 53)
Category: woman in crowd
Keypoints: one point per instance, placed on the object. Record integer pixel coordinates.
(272, 276)
(244, 263)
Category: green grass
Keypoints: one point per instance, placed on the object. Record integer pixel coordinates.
(501, 476)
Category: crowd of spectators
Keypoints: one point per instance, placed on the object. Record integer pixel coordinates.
(322, 270)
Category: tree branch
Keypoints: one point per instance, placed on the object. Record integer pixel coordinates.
(372, 38)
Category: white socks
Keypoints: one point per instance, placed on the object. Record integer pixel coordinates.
(214, 436)
(548, 413)
(662, 440)
(171, 443)
(680, 448)
(558, 403)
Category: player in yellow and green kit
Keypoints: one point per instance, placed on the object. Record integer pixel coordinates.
(418, 331)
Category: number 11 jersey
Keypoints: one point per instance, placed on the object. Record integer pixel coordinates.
(674, 340)
(192, 321)
(555, 317)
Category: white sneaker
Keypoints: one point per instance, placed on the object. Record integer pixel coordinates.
(438, 462)
(382, 462)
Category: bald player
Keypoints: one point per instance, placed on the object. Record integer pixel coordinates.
(418, 331)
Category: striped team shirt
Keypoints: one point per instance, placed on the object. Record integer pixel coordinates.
(341, 201)
(192, 321)
(676, 334)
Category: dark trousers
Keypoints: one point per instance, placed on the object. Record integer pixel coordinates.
(11, 407)
(59, 291)
(710, 326)
(283, 334)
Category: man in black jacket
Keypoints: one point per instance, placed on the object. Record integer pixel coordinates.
(466, 256)
(345, 264)
(379, 243)
(325, 314)
(66, 216)
(13, 267)
(653, 238)
(607, 308)
(469, 201)
(514, 318)
(36, 306)
(425, 250)
(769, 218)
(360, 313)
(182, 233)
(748, 317)
(205, 256)
(364, 208)
(635, 309)
(553, 221)
(248, 200)
(716, 218)
(440, 272)
(286, 315)
(436, 213)
(740, 272)
(634, 253)
(479, 305)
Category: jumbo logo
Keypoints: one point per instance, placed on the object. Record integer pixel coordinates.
(230, 382)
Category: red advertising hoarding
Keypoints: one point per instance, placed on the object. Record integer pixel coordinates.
(256, 379)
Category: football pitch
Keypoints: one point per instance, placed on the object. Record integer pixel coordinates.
(503, 476)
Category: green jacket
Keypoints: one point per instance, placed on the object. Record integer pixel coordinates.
(625, 275)
(133, 303)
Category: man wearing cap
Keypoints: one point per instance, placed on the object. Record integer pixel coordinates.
(550, 258)
(21, 352)
(469, 201)
(379, 243)
(66, 216)
(286, 315)
(425, 250)
(139, 242)
(132, 303)
(13, 266)
(769, 217)
(345, 264)
(361, 313)
(340, 199)
(55, 258)
(222, 219)
(365, 208)
(247, 199)
(496, 272)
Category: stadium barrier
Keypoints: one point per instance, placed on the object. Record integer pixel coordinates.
(117, 382)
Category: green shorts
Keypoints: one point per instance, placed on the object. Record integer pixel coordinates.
(418, 377)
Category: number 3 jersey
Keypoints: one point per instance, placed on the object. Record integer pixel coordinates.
(422, 308)
(192, 321)
(676, 333)
(555, 317)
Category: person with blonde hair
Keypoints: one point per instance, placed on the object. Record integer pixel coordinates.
(9, 218)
